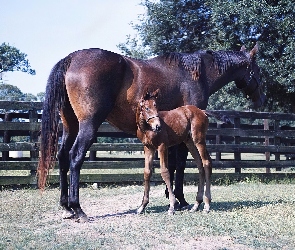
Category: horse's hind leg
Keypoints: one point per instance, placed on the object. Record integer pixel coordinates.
(148, 164)
(85, 137)
(70, 131)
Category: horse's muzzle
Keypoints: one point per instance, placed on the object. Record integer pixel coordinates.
(260, 101)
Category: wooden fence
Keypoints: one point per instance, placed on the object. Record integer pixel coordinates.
(254, 141)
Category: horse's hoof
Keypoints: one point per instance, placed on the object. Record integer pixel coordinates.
(82, 219)
(68, 214)
(185, 207)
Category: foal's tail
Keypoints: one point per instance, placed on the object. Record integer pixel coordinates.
(54, 100)
(223, 118)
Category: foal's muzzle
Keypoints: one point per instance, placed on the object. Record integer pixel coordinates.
(158, 128)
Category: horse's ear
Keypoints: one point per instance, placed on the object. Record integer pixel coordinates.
(254, 51)
(243, 48)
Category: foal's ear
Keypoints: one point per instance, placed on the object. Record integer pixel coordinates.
(243, 48)
(146, 95)
(254, 51)
(156, 93)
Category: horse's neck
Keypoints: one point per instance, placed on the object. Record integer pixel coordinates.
(220, 80)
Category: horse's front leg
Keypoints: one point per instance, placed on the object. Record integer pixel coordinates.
(148, 165)
(163, 154)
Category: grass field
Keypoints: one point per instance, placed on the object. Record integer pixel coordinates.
(243, 216)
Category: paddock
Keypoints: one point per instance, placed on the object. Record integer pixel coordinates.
(246, 215)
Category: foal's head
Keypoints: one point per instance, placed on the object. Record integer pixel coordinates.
(148, 112)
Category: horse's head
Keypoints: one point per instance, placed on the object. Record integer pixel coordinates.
(149, 111)
(250, 82)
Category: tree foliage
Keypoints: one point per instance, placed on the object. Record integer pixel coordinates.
(189, 25)
(11, 59)
(12, 93)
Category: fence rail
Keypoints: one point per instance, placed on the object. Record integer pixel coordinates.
(267, 140)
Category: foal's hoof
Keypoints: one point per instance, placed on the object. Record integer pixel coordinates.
(195, 208)
(68, 214)
(171, 211)
(140, 210)
(206, 208)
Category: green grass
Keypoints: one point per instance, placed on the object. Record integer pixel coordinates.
(243, 216)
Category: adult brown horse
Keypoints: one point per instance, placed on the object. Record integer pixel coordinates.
(159, 130)
(90, 86)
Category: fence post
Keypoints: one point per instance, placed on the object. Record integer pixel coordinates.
(266, 143)
(34, 155)
(218, 141)
(237, 155)
(6, 137)
(92, 154)
(277, 141)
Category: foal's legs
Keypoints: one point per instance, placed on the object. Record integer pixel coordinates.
(148, 165)
(163, 154)
(203, 160)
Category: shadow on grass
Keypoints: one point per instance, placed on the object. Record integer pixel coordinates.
(226, 206)
(230, 206)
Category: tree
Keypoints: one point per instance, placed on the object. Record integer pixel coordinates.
(171, 25)
(12, 93)
(271, 23)
(11, 59)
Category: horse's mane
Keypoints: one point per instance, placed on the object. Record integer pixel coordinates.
(222, 60)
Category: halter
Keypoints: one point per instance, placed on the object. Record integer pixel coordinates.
(152, 117)
(252, 76)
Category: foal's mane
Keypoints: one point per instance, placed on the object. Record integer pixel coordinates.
(222, 60)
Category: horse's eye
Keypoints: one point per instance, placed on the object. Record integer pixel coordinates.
(147, 109)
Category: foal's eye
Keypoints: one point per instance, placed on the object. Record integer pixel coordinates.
(147, 109)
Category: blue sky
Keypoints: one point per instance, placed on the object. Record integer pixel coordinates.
(48, 30)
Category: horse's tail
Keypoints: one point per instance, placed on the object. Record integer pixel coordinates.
(54, 100)
(223, 118)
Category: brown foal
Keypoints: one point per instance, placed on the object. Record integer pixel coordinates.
(158, 130)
